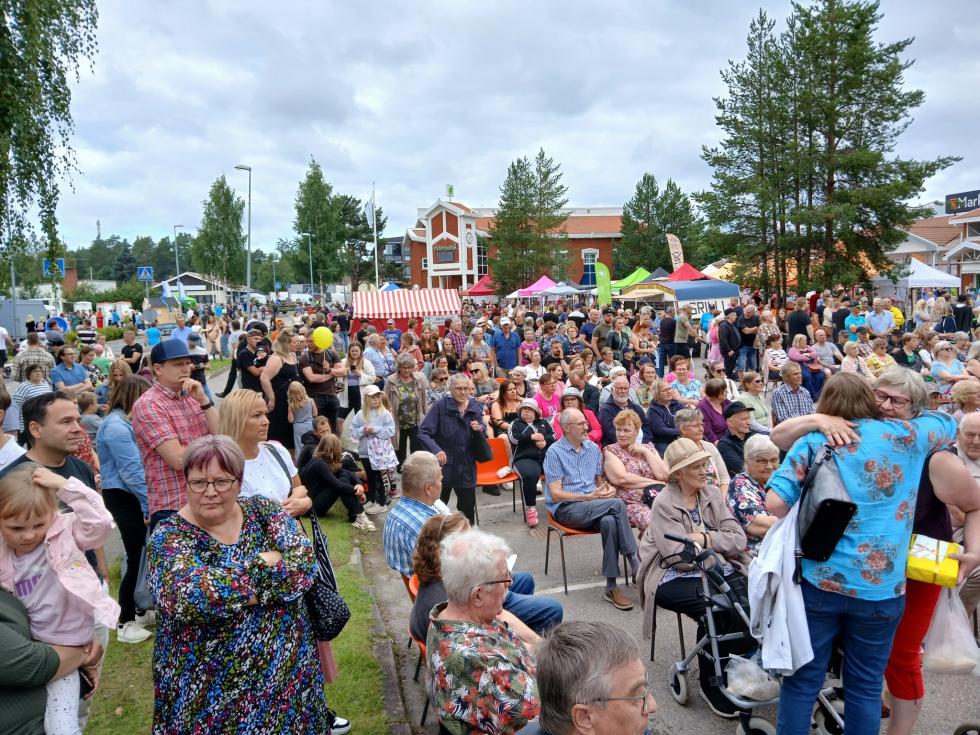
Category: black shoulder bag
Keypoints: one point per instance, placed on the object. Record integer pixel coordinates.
(825, 511)
(328, 611)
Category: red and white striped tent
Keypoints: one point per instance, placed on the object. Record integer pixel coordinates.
(436, 304)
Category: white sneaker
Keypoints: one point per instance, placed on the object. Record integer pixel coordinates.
(147, 619)
(363, 523)
(130, 632)
(373, 509)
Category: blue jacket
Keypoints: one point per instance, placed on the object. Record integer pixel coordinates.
(660, 419)
(119, 457)
(444, 430)
(607, 413)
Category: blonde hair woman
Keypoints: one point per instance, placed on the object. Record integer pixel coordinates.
(280, 370)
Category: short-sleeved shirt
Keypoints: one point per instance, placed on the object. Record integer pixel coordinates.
(246, 359)
(746, 500)
(320, 363)
(881, 473)
(264, 475)
(153, 336)
(682, 329)
(787, 403)
(160, 415)
(129, 350)
(86, 335)
(577, 470)
(402, 528)
(506, 349)
(69, 376)
(851, 320)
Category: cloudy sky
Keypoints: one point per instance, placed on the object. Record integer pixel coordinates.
(415, 95)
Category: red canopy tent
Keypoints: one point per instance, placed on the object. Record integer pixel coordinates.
(687, 272)
(483, 287)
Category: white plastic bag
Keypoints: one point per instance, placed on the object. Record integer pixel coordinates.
(949, 646)
(748, 680)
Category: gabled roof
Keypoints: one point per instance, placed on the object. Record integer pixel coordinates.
(963, 217)
(936, 230)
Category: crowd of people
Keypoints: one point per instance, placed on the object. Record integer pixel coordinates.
(611, 417)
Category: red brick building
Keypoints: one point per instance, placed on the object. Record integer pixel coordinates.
(450, 245)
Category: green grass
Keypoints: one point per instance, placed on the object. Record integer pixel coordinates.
(216, 365)
(124, 702)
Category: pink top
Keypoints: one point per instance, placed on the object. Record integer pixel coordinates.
(595, 428)
(525, 349)
(86, 527)
(549, 407)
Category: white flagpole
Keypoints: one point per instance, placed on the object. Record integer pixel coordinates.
(374, 227)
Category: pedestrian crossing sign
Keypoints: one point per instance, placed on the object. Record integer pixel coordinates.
(144, 273)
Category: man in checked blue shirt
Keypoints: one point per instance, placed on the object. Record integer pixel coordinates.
(421, 487)
(578, 497)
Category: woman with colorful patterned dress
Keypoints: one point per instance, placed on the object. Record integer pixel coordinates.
(859, 592)
(747, 491)
(234, 650)
(480, 673)
(633, 468)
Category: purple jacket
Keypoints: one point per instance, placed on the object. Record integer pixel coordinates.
(715, 426)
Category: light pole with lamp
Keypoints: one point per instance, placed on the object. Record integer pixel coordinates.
(275, 285)
(309, 242)
(248, 259)
(177, 261)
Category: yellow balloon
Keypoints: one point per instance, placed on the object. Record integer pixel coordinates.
(322, 338)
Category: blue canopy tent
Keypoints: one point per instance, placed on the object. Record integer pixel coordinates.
(702, 295)
(389, 287)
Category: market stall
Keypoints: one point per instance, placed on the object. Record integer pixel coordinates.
(542, 284)
(702, 295)
(425, 304)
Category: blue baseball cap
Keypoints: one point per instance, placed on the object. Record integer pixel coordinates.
(168, 349)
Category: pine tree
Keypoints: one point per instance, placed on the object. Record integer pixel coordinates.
(124, 269)
(647, 218)
(528, 230)
(219, 248)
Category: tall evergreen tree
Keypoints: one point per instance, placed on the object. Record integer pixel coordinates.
(647, 218)
(528, 232)
(219, 248)
(124, 268)
(316, 213)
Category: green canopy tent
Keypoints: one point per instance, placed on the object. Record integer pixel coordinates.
(635, 277)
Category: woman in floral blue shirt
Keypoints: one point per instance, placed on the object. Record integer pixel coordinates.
(234, 651)
(858, 592)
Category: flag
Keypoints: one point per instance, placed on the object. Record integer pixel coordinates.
(676, 251)
(603, 284)
(369, 212)
(165, 288)
(180, 292)
(450, 191)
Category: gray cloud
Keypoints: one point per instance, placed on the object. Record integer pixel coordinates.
(418, 95)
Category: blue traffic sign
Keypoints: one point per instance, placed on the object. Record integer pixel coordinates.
(53, 270)
(144, 273)
(277, 285)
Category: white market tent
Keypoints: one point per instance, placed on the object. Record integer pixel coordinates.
(920, 275)
(560, 289)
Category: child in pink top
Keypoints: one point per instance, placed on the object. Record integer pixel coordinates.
(42, 563)
(527, 347)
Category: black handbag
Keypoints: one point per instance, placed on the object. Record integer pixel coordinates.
(826, 509)
(480, 446)
(328, 611)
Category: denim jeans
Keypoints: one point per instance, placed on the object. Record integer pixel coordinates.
(540, 614)
(748, 359)
(866, 628)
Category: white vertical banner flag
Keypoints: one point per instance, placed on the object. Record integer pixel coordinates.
(369, 211)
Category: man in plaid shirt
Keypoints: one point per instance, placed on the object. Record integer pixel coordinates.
(33, 355)
(791, 399)
(457, 337)
(168, 417)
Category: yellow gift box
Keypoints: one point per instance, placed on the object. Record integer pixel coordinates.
(929, 561)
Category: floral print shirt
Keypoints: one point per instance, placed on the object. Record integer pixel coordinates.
(221, 665)
(481, 678)
(881, 472)
(746, 500)
(690, 392)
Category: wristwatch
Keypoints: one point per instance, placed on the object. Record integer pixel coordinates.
(206, 406)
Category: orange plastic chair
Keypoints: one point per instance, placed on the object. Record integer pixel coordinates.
(486, 472)
(418, 668)
(413, 586)
(563, 531)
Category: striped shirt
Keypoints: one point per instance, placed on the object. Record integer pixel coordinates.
(32, 356)
(787, 404)
(458, 341)
(26, 391)
(577, 469)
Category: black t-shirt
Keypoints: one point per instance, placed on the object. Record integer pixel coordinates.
(796, 323)
(747, 322)
(73, 467)
(550, 360)
(129, 350)
(199, 368)
(247, 359)
(838, 319)
(320, 363)
(668, 327)
(343, 321)
(550, 316)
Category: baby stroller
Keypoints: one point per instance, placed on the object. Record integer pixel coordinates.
(718, 596)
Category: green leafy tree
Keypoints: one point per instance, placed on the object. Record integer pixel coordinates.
(356, 251)
(528, 232)
(124, 269)
(806, 183)
(647, 218)
(41, 45)
(219, 248)
(317, 214)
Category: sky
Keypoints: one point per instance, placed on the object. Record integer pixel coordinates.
(417, 95)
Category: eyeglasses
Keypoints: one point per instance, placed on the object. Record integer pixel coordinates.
(774, 461)
(506, 581)
(897, 401)
(644, 699)
(718, 370)
(221, 485)
(757, 380)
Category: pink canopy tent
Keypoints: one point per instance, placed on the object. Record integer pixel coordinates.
(542, 284)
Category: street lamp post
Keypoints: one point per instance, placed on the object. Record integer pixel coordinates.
(177, 261)
(309, 242)
(275, 286)
(248, 259)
